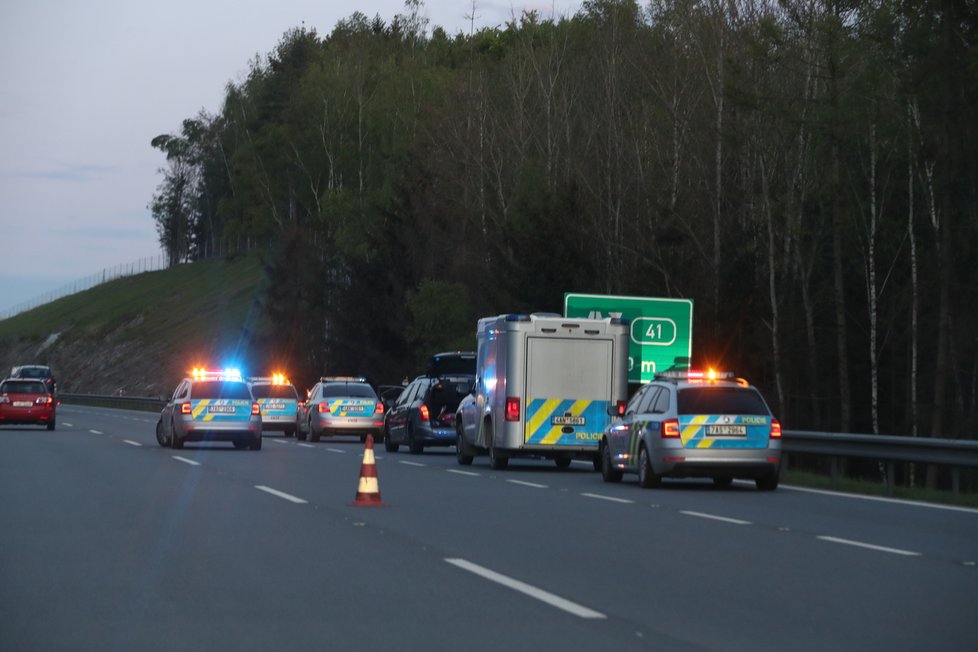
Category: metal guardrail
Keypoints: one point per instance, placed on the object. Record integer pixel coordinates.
(144, 403)
(955, 453)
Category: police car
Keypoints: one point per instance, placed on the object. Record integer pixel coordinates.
(342, 405)
(278, 402)
(694, 424)
(212, 406)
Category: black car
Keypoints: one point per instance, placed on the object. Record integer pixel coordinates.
(36, 372)
(424, 414)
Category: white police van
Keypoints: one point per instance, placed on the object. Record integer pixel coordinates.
(546, 386)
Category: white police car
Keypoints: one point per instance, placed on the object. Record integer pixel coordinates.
(694, 424)
(211, 406)
(278, 402)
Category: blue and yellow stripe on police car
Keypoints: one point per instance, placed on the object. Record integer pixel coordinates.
(694, 429)
(541, 431)
(342, 407)
(199, 409)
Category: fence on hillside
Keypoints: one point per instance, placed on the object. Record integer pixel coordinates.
(148, 264)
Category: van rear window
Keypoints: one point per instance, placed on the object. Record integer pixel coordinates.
(274, 391)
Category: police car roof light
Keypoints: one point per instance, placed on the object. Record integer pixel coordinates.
(199, 373)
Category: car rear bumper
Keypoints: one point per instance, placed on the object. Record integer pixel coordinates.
(212, 431)
(31, 415)
(690, 463)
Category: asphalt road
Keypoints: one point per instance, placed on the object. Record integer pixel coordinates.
(109, 542)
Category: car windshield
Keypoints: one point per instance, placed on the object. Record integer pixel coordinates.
(721, 400)
(22, 387)
(357, 390)
(219, 389)
(274, 391)
(452, 364)
(34, 372)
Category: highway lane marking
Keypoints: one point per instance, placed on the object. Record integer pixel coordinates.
(70, 425)
(713, 517)
(528, 484)
(280, 494)
(336, 450)
(131, 442)
(96, 432)
(306, 445)
(186, 461)
(279, 441)
(469, 473)
(870, 546)
(882, 499)
(527, 589)
(612, 499)
(407, 463)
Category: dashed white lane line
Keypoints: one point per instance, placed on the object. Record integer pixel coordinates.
(281, 494)
(305, 445)
(65, 423)
(714, 517)
(469, 473)
(280, 441)
(527, 589)
(96, 432)
(186, 461)
(131, 442)
(870, 546)
(528, 484)
(336, 450)
(407, 463)
(612, 499)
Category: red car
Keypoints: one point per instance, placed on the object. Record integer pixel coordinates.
(26, 401)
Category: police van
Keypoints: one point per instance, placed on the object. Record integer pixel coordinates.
(545, 386)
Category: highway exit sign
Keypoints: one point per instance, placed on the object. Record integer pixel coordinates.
(661, 329)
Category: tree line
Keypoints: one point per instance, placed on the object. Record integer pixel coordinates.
(804, 170)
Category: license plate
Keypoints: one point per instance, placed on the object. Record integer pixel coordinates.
(221, 409)
(22, 404)
(353, 408)
(567, 421)
(726, 431)
(274, 406)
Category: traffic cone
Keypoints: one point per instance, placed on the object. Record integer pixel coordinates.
(368, 492)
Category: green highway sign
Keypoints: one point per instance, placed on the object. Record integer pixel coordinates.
(661, 329)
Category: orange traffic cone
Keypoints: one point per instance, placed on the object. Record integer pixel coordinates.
(368, 493)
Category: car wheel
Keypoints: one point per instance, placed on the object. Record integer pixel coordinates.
(313, 435)
(160, 439)
(300, 434)
(608, 471)
(51, 424)
(722, 480)
(462, 454)
(240, 444)
(562, 462)
(497, 462)
(256, 443)
(767, 483)
(414, 446)
(596, 462)
(647, 478)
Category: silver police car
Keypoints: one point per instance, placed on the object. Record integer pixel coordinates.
(694, 424)
(211, 406)
(342, 405)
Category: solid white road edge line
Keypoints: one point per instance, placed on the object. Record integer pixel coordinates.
(131, 442)
(881, 499)
(612, 499)
(526, 589)
(185, 460)
(725, 519)
(870, 546)
(524, 483)
(280, 494)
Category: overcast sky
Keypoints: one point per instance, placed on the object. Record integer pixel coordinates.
(86, 84)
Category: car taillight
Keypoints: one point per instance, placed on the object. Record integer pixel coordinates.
(323, 407)
(775, 429)
(423, 412)
(43, 400)
(512, 408)
(185, 408)
(379, 408)
(255, 408)
(670, 428)
(620, 407)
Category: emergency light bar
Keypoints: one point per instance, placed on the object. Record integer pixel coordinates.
(200, 373)
(342, 379)
(274, 379)
(707, 376)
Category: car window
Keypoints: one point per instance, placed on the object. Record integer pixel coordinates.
(649, 397)
(636, 399)
(661, 402)
(22, 387)
(721, 400)
(274, 391)
(355, 390)
(220, 389)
